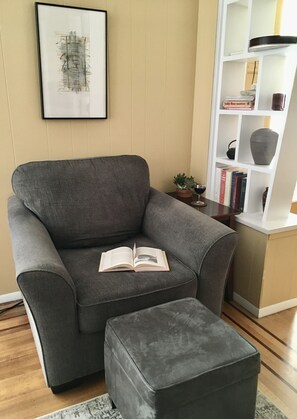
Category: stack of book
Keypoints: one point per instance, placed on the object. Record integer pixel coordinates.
(239, 102)
(230, 187)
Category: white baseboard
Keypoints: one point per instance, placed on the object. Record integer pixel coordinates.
(6, 298)
(275, 308)
(265, 311)
(246, 304)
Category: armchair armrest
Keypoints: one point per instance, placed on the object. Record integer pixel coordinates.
(32, 245)
(48, 290)
(200, 242)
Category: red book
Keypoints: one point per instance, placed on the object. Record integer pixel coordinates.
(223, 186)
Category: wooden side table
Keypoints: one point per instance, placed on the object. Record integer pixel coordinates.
(221, 213)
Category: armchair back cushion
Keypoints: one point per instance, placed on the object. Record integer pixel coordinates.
(66, 195)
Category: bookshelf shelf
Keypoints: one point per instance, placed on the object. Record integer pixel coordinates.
(253, 112)
(251, 167)
(251, 56)
(273, 72)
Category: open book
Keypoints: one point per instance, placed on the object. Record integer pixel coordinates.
(137, 259)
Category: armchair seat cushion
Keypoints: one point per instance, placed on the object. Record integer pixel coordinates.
(104, 295)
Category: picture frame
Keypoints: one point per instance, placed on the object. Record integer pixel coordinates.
(72, 50)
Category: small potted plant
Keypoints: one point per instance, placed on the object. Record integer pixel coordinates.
(184, 184)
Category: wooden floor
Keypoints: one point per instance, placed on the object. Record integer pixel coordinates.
(275, 337)
(23, 393)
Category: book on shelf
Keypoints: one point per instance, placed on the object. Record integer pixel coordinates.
(138, 259)
(236, 104)
(241, 98)
(242, 193)
(241, 108)
(222, 185)
(239, 102)
(217, 186)
(230, 184)
(235, 173)
(236, 189)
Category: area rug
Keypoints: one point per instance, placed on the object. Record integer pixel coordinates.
(100, 408)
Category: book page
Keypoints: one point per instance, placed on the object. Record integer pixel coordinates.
(149, 256)
(120, 258)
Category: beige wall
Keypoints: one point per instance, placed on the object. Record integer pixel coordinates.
(151, 71)
(205, 61)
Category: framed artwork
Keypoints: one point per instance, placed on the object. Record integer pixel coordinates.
(72, 44)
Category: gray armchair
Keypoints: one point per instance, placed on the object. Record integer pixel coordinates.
(63, 215)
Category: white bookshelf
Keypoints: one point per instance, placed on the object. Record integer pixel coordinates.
(238, 22)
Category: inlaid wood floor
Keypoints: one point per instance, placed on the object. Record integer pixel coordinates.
(23, 393)
(275, 337)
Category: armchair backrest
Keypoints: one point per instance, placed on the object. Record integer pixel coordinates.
(86, 202)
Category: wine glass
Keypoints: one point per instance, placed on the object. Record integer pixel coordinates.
(199, 189)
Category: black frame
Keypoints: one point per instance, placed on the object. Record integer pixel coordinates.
(77, 90)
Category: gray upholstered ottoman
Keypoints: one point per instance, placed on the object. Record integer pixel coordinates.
(179, 360)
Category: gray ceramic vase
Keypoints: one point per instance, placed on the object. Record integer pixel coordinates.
(263, 145)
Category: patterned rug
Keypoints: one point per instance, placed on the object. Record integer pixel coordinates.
(100, 408)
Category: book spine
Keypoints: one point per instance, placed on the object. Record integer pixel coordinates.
(223, 185)
(242, 193)
(228, 187)
(239, 108)
(245, 102)
(237, 188)
(240, 98)
(217, 184)
(238, 102)
(232, 188)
